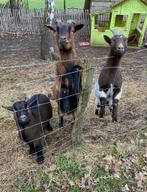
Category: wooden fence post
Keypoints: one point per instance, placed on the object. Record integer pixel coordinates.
(87, 86)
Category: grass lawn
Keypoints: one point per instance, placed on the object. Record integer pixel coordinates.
(3, 1)
(58, 3)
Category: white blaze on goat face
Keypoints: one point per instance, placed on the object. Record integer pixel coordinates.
(121, 45)
(107, 95)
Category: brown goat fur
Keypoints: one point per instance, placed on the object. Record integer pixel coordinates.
(68, 81)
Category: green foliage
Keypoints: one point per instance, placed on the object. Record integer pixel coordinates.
(39, 4)
(105, 181)
(23, 187)
(74, 189)
(99, 172)
(43, 176)
(110, 184)
(72, 167)
(115, 151)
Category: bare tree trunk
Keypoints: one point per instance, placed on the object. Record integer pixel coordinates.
(15, 6)
(47, 49)
(64, 6)
(12, 6)
(87, 8)
(87, 5)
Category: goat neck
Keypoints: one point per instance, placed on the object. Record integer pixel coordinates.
(113, 60)
(70, 55)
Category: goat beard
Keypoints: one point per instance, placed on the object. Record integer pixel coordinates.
(24, 124)
(65, 48)
(119, 53)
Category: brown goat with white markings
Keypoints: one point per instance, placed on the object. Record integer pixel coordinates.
(108, 88)
(68, 85)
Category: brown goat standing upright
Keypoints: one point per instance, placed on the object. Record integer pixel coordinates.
(68, 69)
(108, 88)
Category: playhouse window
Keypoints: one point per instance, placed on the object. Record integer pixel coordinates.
(102, 20)
(120, 20)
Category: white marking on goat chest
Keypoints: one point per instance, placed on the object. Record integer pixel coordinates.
(118, 96)
(108, 95)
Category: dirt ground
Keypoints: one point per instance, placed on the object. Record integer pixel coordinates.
(24, 74)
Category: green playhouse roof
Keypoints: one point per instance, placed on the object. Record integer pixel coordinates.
(119, 3)
(122, 1)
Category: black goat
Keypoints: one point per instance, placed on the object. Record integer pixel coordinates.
(31, 117)
(67, 90)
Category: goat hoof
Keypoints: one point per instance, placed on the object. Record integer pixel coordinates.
(101, 115)
(110, 110)
(40, 160)
(32, 151)
(49, 128)
(61, 126)
(114, 119)
(96, 112)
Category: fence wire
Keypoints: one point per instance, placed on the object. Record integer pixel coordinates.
(93, 125)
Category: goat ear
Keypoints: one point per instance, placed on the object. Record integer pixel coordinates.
(9, 108)
(107, 39)
(50, 27)
(78, 27)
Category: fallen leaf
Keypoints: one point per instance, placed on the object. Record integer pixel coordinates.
(139, 176)
(71, 183)
(109, 158)
(87, 182)
(117, 166)
(125, 188)
(53, 167)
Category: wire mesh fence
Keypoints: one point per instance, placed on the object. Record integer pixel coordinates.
(14, 159)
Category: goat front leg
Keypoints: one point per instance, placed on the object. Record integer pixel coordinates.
(60, 114)
(39, 153)
(115, 110)
(61, 121)
(102, 107)
(97, 105)
(49, 127)
(32, 149)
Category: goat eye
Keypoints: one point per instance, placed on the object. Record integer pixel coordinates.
(15, 109)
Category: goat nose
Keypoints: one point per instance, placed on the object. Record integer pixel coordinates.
(63, 39)
(23, 118)
(120, 47)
